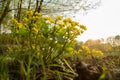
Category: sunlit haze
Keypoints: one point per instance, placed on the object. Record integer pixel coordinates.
(101, 22)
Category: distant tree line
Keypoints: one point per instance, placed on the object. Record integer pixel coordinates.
(111, 45)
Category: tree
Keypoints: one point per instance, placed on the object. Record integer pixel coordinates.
(94, 44)
(4, 9)
(114, 40)
(15, 7)
(99, 45)
(117, 40)
(68, 6)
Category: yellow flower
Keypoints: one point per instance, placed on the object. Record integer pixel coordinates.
(60, 24)
(74, 23)
(19, 25)
(25, 19)
(49, 19)
(75, 29)
(97, 52)
(67, 20)
(59, 18)
(100, 52)
(35, 29)
(80, 51)
(86, 49)
(30, 12)
(14, 20)
(83, 47)
(37, 13)
(37, 17)
(83, 27)
(33, 18)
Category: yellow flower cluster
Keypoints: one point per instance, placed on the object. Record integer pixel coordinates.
(38, 14)
(30, 19)
(83, 27)
(29, 12)
(97, 52)
(74, 23)
(33, 20)
(32, 16)
(69, 23)
(18, 24)
(60, 24)
(51, 20)
(14, 20)
(80, 51)
(67, 20)
(59, 18)
(86, 49)
(75, 27)
(25, 19)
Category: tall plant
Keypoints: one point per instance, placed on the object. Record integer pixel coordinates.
(43, 40)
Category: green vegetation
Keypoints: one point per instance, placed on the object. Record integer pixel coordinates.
(35, 48)
(43, 47)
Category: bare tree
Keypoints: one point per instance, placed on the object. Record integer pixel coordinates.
(6, 4)
(62, 7)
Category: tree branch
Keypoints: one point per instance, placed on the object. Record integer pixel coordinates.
(5, 12)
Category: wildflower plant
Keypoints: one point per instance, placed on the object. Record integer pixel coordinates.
(52, 36)
(43, 39)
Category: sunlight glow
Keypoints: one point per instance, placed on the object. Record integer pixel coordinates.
(102, 22)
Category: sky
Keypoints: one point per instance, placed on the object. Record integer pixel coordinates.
(102, 22)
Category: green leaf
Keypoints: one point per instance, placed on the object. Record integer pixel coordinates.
(68, 65)
(23, 31)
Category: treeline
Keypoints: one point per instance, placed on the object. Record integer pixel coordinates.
(110, 45)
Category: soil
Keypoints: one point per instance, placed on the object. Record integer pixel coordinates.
(94, 68)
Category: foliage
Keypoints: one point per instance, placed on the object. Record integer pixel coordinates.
(99, 45)
(58, 35)
(108, 46)
(114, 40)
(39, 45)
(85, 51)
